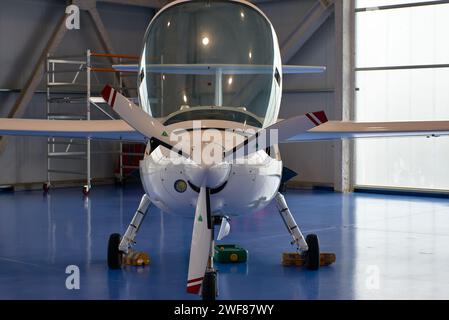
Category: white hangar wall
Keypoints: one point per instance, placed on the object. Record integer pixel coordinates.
(25, 27)
(313, 161)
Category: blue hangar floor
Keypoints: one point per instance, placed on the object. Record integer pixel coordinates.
(388, 247)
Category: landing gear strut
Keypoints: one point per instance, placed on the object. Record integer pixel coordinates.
(118, 246)
(209, 288)
(309, 246)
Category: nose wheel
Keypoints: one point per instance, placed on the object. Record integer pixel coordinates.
(209, 289)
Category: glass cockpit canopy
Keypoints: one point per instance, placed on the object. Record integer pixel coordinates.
(210, 60)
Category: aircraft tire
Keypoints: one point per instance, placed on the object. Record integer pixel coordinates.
(114, 255)
(313, 254)
(209, 287)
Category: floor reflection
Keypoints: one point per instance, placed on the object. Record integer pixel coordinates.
(387, 247)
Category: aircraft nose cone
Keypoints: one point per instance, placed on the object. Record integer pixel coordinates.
(218, 174)
(212, 176)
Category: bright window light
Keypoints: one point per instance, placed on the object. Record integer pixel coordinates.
(406, 36)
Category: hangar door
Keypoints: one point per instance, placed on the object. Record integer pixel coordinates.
(402, 73)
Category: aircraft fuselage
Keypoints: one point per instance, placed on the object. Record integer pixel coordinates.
(236, 188)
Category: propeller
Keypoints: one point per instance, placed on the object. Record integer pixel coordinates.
(151, 128)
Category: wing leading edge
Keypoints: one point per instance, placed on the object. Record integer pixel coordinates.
(95, 129)
(347, 129)
(297, 129)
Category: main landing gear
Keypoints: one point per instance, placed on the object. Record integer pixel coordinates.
(308, 247)
(312, 255)
(118, 246)
(115, 256)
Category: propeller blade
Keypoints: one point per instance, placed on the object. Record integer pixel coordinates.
(277, 133)
(201, 242)
(140, 120)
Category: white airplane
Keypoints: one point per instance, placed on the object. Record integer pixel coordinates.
(210, 86)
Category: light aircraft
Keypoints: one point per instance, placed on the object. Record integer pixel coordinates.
(210, 84)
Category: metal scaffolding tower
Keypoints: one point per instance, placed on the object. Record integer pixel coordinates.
(71, 94)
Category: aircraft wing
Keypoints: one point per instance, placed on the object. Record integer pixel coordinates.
(211, 69)
(315, 126)
(347, 129)
(302, 69)
(126, 67)
(96, 129)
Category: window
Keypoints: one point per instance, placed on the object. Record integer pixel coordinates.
(199, 54)
(402, 73)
